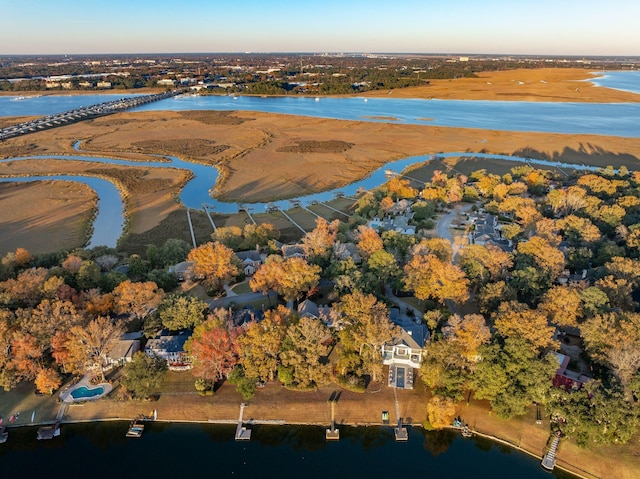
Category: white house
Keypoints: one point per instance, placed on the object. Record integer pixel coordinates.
(404, 354)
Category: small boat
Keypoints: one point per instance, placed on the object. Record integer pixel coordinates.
(317, 99)
(3, 434)
(135, 429)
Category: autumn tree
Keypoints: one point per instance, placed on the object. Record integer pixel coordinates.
(212, 350)
(441, 412)
(26, 357)
(303, 358)
(48, 317)
(467, 333)
(483, 263)
(215, 263)
(429, 277)
(516, 320)
(88, 346)
(563, 305)
(368, 241)
(298, 277)
(613, 339)
(260, 344)
(317, 243)
(579, 230)
(539, 253)
(47, 380)
(267, 277)
(26, 290)
(366, 329)
(137, 298)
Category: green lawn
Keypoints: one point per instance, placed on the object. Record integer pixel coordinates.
(242, 288)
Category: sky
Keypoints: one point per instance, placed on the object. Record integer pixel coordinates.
(541, 27)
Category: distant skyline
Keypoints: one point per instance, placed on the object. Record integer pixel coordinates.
(542, 27)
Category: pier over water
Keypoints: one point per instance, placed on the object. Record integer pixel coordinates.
(83, 113)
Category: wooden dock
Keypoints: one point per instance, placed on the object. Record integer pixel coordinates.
(333, 433)
(242, 433)
(400, 432)
(49, 432)
(549, 459)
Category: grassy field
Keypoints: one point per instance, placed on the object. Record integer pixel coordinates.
(542, 84)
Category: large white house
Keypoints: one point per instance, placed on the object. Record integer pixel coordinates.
(404, 354)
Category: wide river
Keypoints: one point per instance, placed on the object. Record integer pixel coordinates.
(202, 450)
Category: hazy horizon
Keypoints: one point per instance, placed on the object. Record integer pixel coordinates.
(497, 27)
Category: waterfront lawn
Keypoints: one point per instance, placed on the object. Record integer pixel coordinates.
(23, 400)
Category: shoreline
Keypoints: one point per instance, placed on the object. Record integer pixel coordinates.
(495, 85)
(571, 469)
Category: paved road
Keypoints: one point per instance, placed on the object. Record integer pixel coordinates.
(443, 227)
(242, 299)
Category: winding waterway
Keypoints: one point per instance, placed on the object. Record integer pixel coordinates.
(621, 119)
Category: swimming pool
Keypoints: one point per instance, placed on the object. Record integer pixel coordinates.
(84, 392)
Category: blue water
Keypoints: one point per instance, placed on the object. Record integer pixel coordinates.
(619, 80)
(34, 105)
(200, 450)
(109, 221)
(84, 392)
(615, 119)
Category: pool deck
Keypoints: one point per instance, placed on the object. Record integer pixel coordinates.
(66, 397)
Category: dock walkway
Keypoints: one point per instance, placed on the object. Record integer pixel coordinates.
(242, 433)
(549, 459)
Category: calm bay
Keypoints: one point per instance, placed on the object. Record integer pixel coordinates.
(181, 450)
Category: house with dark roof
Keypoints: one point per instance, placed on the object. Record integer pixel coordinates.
(171, 349)
(251, 261)
(182, 271)
(404, 353)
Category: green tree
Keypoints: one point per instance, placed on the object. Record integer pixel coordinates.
(181, 312)
(513, 376)
(144, 375)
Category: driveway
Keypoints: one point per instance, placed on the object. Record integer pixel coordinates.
(443, 227)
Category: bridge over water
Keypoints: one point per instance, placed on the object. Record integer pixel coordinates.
(83, 113)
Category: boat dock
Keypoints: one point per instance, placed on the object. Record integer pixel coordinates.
(549, 459)
(82, 113)
(242, 433)
(333, 433)
(400, 432)
(49, 432)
